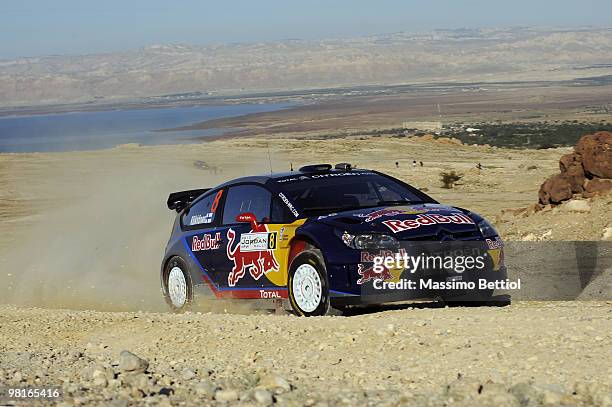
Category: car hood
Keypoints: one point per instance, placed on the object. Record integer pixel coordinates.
(424, 221)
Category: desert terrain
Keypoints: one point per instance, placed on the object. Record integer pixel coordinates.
(535, 354)
(190, 72)
(83, 234)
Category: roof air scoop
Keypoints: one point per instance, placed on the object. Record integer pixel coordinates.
(316, 168)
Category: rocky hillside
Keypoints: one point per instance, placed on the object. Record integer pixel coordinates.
(463, 55)
(585, 172)
(574, 204)
(576, 219)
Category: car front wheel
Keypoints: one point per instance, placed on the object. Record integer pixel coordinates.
(475, 298)
(308, 286)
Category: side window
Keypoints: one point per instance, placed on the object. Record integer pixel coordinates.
(280, 212)
(247, 198)
(203, 213)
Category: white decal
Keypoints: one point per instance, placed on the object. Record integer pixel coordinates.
(495, 244)
(397, 225)
(269, 294)
(257, 241)
(289, 205)
(208, 242)
(199, 219)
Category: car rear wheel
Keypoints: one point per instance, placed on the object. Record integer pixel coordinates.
(308, 286)
(178, 289)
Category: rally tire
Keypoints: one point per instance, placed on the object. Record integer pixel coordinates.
(177, 285)
(475, 298)
(308, 285)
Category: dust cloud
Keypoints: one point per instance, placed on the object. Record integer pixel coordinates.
(97, 241)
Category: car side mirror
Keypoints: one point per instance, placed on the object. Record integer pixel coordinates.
(248, 217)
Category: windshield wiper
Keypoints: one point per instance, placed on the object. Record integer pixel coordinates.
(331, 209)
(337, 208)
(398, 202)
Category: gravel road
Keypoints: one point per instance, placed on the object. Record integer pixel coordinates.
(529, 353)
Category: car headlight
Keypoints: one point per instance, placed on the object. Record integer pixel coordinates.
(370, 241)
(486, 229)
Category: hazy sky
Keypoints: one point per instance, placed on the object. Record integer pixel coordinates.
(43, 27)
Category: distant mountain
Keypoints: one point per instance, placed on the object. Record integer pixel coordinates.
(441, 55)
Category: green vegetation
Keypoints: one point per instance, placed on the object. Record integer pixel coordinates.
(538, 135)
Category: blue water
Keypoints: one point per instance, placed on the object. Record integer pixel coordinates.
(106, 129)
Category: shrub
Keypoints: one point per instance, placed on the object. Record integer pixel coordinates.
(449, 179)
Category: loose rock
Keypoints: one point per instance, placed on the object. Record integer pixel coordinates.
(263, 397)
(607, 233)
(274, 382)
(576, 206)
(188, 374)
(129, 362)
(205, 388)
(226, 395)
(556, 189)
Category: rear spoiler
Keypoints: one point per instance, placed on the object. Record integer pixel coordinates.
(179, 200)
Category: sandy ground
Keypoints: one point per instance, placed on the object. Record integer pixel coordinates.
(527, 354)
(87, 231)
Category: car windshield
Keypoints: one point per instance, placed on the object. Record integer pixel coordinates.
(326, 193)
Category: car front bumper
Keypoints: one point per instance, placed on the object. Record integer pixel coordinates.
(361, 284)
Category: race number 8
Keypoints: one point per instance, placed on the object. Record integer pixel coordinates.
(215, 203)
(272, 241)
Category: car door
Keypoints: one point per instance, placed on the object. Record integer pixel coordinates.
(203, 236)
(250, 245)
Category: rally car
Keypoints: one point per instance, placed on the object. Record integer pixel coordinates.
(313, 236)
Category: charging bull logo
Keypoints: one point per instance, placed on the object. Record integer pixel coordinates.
(254, 251)
(369, 273)
(379, 213)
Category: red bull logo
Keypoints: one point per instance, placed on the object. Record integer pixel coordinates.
(208, 242)
(253, 253)
(379, 213)
(369, 274)
(400, 225)
(495, 244)
(370, 256)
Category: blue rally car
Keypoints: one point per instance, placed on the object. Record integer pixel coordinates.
(318, 237)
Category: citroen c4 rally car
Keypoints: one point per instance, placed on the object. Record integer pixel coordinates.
(312, 237)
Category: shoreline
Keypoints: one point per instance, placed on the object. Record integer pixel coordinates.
(82, 131)
(277, 96)
(329, 118)
(339, 115)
